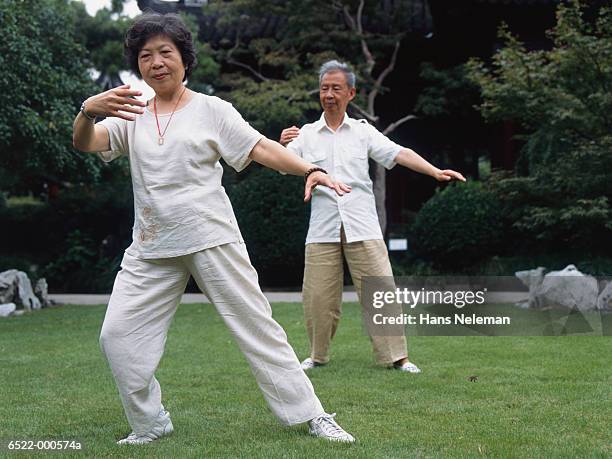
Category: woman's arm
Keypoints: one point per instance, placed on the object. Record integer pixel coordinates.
(88, 137)
(273, 155)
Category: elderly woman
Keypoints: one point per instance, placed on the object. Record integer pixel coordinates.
(184, 226)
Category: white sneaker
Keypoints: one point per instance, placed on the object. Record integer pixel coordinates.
(162, 427)
(309, 364)
(324, 426)
(408, 366)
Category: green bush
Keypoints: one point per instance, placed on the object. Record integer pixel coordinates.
(80, 267)
(564, 206)
(273, 219)
(20, 263)
(76, 240)
(458, 226)
(559, 198)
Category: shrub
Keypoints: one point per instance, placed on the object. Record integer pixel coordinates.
(76, 240)
(273, 219)
(80, 268)
(560, 100)
(564, 206)
(458, 226)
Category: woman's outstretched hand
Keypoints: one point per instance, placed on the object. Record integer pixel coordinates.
(320, 178)
(118, 102)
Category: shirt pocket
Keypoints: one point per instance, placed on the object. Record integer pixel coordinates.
(353, 153)
(316, 156)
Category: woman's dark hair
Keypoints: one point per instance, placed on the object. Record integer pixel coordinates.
(151, 24)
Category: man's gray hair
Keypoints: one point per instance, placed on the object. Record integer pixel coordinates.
(336, 66)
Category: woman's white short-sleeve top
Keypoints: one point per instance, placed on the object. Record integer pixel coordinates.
(180, 206)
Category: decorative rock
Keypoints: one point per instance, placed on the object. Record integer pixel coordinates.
(531, 278)
(7, 290)
(7, 309)
(569, 288)
(18, 286)
(605, 298)
(41, 291)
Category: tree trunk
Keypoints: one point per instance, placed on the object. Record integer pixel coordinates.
(379, 178)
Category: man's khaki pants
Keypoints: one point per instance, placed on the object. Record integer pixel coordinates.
(144, 299)
(322, 290)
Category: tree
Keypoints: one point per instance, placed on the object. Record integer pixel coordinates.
(374, 86)
(103, 36)
(44, 78)
(448, 102)
(561, 192)
(277, 46)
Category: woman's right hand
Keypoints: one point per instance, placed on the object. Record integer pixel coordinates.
(118, 102)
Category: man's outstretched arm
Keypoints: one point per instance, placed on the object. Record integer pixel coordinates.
(412, 160)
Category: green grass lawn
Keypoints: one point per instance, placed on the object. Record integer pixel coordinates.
(534, 397)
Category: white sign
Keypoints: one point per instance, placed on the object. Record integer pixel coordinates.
(398, 244)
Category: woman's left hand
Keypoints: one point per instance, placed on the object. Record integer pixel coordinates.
(320, 178)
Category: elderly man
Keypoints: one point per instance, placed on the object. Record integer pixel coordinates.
(347, 225)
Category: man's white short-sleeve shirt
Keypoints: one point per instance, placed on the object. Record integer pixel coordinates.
(180, 206)
(344, 155)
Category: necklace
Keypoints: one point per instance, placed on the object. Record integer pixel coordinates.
(160, 134)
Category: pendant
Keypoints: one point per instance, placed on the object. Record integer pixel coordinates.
(160, 141)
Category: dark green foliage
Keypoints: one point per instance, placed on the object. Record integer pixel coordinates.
(28, 229)
(458, 226)
(273, 219)
(103, 36)
(45, 54)
(44, 78)
(80, 267)
(449, 94)
(76, 240)
(20, 263)
(448, 102)
(286, 103)
(206, 73)
(565, 206)
(280, 72)
(561, 98)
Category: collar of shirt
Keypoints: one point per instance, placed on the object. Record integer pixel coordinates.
(321, 123)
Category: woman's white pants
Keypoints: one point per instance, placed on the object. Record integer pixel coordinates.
(144, 299)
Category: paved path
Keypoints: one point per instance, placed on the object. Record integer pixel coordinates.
(273, 297)
(188, 298)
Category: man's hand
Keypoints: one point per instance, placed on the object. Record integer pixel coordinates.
(288, 135)
(412, 160)
(447, 175)
(320, 178)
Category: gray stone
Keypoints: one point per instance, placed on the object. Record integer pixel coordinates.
(7, 290)
(7, 309)
(17, 285)
(604, 301)
(570, 288)
(531, 278)
(41, 291)
(567, 288)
